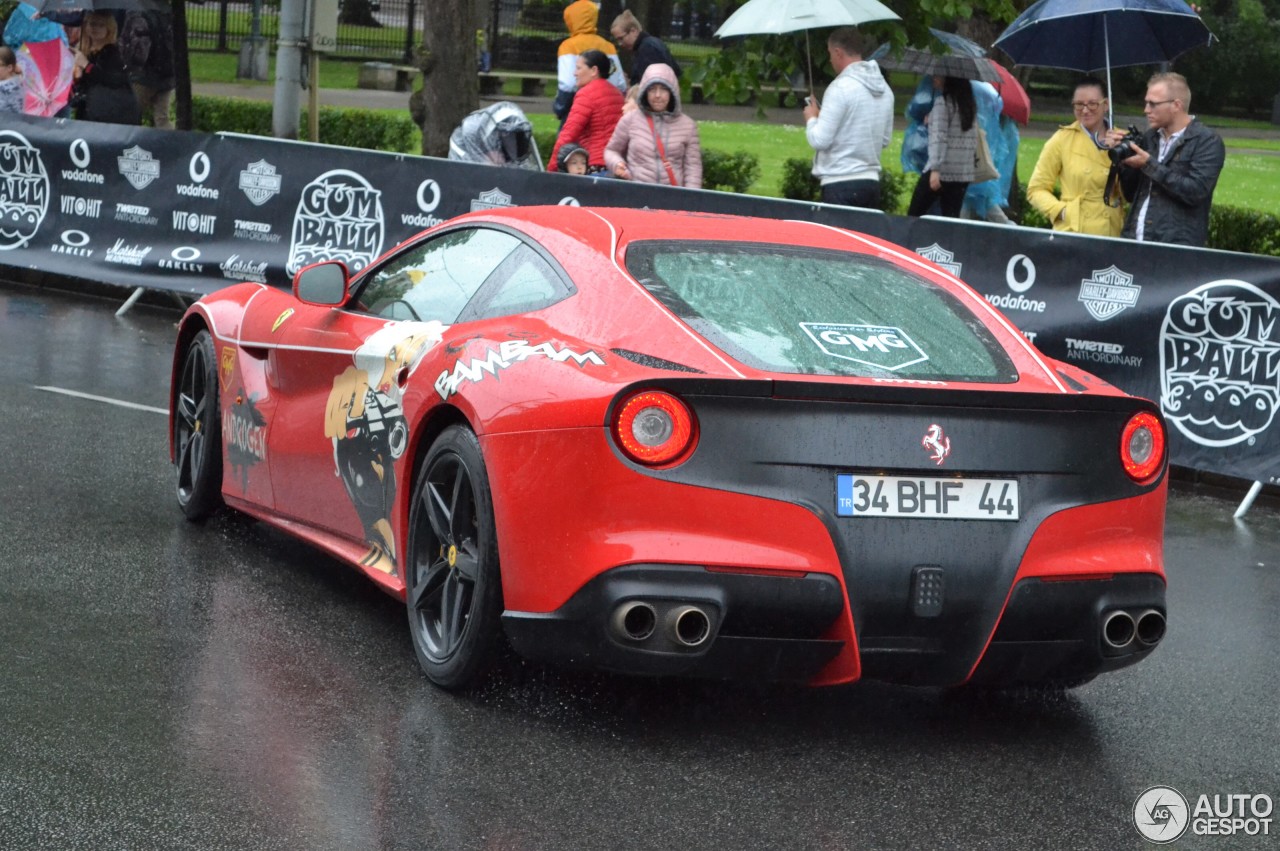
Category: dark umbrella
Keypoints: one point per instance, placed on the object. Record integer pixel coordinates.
(1089, 35)
(962, 59)
(50, 8)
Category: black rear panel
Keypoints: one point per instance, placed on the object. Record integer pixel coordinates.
(925, 592)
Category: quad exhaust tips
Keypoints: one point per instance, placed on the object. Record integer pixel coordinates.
(1150, 628)
(689, 625)
(684, 626)
(634, 621)
(1118, 629)
(1121, 628)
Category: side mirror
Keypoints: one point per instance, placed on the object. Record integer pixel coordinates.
(322, 284)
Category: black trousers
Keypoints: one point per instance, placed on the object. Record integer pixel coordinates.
(951, 197)
(853, 193)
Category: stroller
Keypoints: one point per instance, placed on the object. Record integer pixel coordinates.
(499, 134)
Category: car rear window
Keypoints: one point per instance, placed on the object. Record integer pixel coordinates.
(819, 312)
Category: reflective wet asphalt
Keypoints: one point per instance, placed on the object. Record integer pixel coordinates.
(165, 685)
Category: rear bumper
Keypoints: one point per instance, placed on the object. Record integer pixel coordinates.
(1052, 631)
(760, 627)
(784, 629)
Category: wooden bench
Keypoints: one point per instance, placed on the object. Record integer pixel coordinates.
(387, 77)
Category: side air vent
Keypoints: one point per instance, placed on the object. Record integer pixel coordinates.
(653, 362)
(1071, 382)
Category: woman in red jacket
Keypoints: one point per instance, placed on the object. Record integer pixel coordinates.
(596, 109)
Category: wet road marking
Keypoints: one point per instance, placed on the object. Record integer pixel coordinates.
(118, 402)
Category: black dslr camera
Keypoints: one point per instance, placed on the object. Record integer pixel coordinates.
(1122, 150)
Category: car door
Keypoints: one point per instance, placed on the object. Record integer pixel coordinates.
(337, 459)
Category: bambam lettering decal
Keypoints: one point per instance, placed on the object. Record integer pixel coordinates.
(507, 353)
(369, 431)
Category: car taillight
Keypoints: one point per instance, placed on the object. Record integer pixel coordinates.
(654, 428)
(1142, 447)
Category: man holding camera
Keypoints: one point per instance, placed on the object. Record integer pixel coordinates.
(1172, 169)
(854, 125)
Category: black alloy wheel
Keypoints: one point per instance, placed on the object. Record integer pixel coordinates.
(454, 593)
(197, 431)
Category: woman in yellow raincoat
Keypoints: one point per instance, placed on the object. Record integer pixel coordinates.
(1077, 161)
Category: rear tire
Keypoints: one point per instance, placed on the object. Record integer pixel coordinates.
(197, 431)
(453, 581)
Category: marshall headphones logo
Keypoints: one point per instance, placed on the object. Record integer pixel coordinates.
(339, 217)
(491, 200)
(1220, 362)
(260, 183)
(940, 256)
(24, 190)
(1108, 293)
(428, 198)
(138, 167)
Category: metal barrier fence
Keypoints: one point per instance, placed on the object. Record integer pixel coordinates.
(517, 34)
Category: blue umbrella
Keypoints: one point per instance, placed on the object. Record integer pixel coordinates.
(1088, 35)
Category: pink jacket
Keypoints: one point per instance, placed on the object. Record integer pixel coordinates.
(633, 140)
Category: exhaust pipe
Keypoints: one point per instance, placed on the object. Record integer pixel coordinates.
(1150, 628)
(634, 620)
(689, 625)
(1118, 629)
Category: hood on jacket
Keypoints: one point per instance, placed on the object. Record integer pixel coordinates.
(867, 72)
(567, 150)
(659, 74)
(580, 17)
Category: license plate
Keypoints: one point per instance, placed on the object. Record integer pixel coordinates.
(942, 498)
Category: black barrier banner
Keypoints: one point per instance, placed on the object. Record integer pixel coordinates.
(189, 212)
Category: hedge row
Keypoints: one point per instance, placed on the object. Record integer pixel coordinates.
(1230, 228)
(350, 128)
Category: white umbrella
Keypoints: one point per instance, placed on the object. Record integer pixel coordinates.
(776, 17)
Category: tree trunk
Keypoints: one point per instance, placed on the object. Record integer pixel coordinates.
(450, 83)
(183, 119)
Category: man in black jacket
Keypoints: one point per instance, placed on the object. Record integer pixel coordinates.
(645, 49)
(1169, 181)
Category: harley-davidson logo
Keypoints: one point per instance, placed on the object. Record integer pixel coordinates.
(937, 444)
(1109, 292)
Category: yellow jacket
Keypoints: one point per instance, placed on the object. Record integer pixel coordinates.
(1071, 159)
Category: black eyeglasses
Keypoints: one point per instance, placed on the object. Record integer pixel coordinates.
(1152, 104)
(1085, 104)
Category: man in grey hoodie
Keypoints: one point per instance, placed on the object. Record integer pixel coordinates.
(853, 125)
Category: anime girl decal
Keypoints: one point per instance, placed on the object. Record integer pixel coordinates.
(364, 420)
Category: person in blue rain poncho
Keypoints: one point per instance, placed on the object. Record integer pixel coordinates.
(984, 200)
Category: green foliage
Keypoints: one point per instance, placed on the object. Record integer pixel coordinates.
(1240, 71)
(799, 184)
(351, 128)
(546, 142)
(1237, 229)
(6, 9)
(1032, 218)
(729, 172)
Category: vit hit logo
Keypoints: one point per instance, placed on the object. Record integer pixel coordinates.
(1220, 362)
